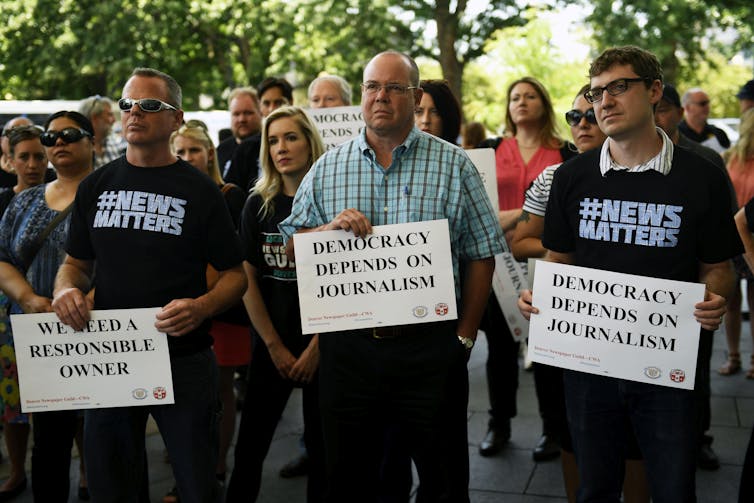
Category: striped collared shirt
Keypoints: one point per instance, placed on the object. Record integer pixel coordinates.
(660, 163)
(428, 179)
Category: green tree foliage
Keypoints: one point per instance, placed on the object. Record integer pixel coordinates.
(461, 35)
(71, 49)
(513, 53)
(680, 32)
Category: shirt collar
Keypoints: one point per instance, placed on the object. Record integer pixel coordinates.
(661, 163)
(398, 151)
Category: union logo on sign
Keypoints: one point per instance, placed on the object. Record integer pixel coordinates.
(441, 309)
(159, 393)
(677, 375)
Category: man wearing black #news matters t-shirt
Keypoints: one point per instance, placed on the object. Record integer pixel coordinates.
(150, 224)
(690, 237)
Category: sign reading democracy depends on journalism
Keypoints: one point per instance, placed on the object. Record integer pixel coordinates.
(337, 125)
(398, 275)
(619, 325)
(119, 359)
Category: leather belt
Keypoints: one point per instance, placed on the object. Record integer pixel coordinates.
(402, 330)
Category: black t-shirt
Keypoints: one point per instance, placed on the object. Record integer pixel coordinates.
(151, 233)
(645, 223)
(244, 167)
(265, 250)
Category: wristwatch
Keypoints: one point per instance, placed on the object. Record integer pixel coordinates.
(467, 342)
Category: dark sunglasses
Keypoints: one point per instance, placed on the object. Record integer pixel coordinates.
(150, 105)
(68, 135)
(573, 117)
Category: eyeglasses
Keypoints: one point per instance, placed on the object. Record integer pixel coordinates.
(151, 105)
(613, 88)
(703, 103)
(573, 117)
(391, 89)
(68, 135)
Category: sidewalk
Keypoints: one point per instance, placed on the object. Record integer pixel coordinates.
(511, 476)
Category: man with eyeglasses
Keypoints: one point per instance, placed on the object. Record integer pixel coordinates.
(694, 126)
(412, 378)
(107, 146)
(638, 169)
(150, 224)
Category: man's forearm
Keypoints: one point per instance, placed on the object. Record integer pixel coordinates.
(719, 278)
(228, 290)
(73, 274)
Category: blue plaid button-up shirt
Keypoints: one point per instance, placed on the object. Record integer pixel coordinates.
(429, 179)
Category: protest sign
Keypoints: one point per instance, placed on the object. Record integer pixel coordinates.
(484, 160)
(619, 325)
(400, 274)
(118, 359)
(337, 125)
(507, 282)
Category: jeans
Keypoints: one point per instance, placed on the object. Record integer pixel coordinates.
(663, 419)
(114, 437)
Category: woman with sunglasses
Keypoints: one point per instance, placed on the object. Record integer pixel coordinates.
(531, 144)
(230, 330)
(33, 232)
(527, 243)
(283, 357)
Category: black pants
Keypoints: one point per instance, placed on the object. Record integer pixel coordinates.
(702, 385)
(51, 455)
(266, 396)
(502, 364)
(370, 386)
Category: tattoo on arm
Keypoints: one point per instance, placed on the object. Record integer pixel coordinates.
(524, 216)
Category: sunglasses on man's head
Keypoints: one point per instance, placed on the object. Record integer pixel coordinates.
(68, 135)
(150, 105)
(573, 117)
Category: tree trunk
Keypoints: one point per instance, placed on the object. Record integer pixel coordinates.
(447, 34)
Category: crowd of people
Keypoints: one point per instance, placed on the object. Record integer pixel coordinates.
(375, 400)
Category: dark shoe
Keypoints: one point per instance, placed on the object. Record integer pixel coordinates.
(547, 448)
(296, 468)
(84, 493)
(13, 493)
(706, 459)
(494, 441)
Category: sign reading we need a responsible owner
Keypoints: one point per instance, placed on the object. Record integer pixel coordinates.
(119, 359)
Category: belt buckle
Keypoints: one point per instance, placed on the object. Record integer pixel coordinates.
(385, 335)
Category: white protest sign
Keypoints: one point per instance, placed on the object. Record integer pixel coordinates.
(337, 125)
(484, 160)
(400, 274)
(119, 359)
(618, 325)
(507, 281)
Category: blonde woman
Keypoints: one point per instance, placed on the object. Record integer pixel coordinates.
(741, 170)
(283, 357)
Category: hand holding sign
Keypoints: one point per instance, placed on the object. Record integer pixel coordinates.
(352, 220)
